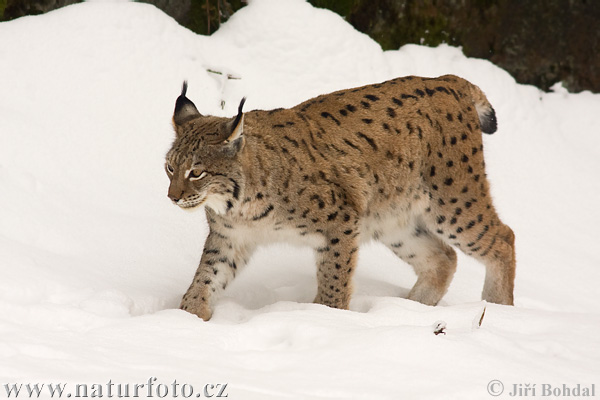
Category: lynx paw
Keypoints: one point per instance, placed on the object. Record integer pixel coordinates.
(199, 308)
(332, 301)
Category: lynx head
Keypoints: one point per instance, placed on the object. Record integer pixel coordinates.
(202, 164)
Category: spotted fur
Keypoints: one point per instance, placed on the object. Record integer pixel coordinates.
(400, 162)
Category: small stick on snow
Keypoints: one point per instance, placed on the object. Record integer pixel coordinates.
(224, 77)
(229, 76)
(482, 315)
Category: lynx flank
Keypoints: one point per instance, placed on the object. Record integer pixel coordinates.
(400, 162)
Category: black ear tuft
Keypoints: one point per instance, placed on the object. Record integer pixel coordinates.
(184, 108)
(237, 125)
(184, 88)
(240, 114)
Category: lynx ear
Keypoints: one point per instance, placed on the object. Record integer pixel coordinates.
(184, 108)
(237, 126)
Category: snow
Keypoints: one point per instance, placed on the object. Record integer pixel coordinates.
(94, 258)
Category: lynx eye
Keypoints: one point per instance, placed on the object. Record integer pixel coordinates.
(196, 174)
(170, 169)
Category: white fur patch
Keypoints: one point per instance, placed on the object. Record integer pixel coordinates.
(266, 234)
(218, 203)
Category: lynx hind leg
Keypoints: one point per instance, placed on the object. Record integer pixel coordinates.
(500, 261)
(471, 224)
(433, 260)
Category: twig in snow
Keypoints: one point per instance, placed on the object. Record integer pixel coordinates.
(229, 76)
(224, 77)
(439, 327)
(482, 315)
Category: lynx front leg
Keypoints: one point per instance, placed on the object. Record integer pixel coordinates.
(336, 262)
(219, 264)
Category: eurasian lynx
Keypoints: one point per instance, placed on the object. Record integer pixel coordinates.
(400, 162)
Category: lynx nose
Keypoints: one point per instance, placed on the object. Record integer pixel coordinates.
(175, 195)
(175, 192)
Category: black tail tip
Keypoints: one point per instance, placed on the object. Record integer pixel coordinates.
(489, 123)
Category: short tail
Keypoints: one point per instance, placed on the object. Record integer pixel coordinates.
(487, 115)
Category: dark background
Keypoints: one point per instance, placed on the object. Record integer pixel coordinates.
(539, 42)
